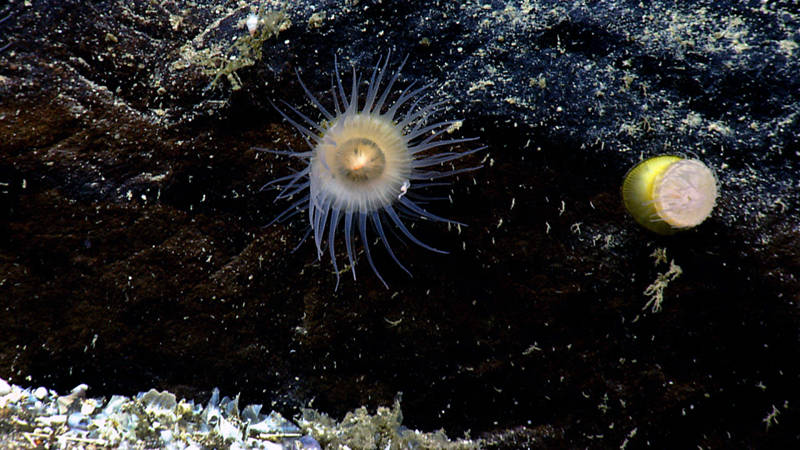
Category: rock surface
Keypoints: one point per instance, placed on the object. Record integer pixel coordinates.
(133, 253)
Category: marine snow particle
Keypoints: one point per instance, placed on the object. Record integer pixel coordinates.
(366, 159)
(668, 193)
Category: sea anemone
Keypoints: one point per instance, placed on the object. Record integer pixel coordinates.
(668, 193)
(3, 47)
(365, 160)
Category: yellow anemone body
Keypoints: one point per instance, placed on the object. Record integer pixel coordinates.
(667, 193)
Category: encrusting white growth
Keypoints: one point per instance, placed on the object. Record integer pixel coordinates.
(366, 158)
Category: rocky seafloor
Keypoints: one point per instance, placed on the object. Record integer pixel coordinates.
(134, 253)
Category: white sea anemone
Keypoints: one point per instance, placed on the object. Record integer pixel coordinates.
(251, 22)
(365, 160)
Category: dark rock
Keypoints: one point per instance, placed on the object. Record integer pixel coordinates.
(133, 253)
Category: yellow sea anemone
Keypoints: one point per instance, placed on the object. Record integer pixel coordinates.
(668, 193)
